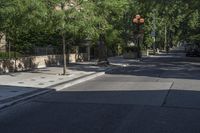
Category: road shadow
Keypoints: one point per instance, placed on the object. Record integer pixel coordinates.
(14, 93)
(105, 111)
(175, 99)
(178, 68)
(132, 95)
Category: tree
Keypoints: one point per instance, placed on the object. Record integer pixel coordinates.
(108, 24)
(21, 16)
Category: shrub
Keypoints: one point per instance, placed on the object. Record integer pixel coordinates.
(5, 55)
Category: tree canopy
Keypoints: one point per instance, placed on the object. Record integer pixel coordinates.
(37, 22)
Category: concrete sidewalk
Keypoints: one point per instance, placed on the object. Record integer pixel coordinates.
(15, 87)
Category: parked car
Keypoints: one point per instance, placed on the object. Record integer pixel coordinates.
(193, 53)
(192, 50)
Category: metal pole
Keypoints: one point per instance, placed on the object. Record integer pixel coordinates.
(9, 50)
(138, 39)
(154, 31)
(165, 35)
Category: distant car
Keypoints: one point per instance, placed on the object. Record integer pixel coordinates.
(192, 50)
(193, 53)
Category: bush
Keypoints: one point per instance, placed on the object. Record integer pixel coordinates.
(5, 55)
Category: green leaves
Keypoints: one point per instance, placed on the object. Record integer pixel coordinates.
(83, 19)
(19, 17)
(180, 17)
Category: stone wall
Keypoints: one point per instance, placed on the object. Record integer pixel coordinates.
(33, 62)
(29, 63)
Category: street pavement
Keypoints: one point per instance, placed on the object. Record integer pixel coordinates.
(159, 94)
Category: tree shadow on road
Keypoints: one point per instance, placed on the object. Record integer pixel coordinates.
(105, 111)
(162, 68)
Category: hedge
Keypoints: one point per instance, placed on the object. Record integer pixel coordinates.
(5, 55)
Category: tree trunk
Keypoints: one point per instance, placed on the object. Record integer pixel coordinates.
(64, 54)
(102, 51)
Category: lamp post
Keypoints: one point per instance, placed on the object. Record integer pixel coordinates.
(138, 21)
(154, 32)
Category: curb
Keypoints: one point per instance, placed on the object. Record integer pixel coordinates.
(70, 83)
(17, 100)
(56, 87)
(63, 85)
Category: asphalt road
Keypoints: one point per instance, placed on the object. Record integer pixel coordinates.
(156, 95)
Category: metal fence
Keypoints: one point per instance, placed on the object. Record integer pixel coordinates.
(34, 51)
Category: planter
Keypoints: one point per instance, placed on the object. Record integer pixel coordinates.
(145, 53)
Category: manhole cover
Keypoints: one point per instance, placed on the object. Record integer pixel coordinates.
(51, 81)
(21, 82)
(41, 84)
(60, 78)
(43, 77)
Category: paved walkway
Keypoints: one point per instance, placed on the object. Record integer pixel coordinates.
(18, 86)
